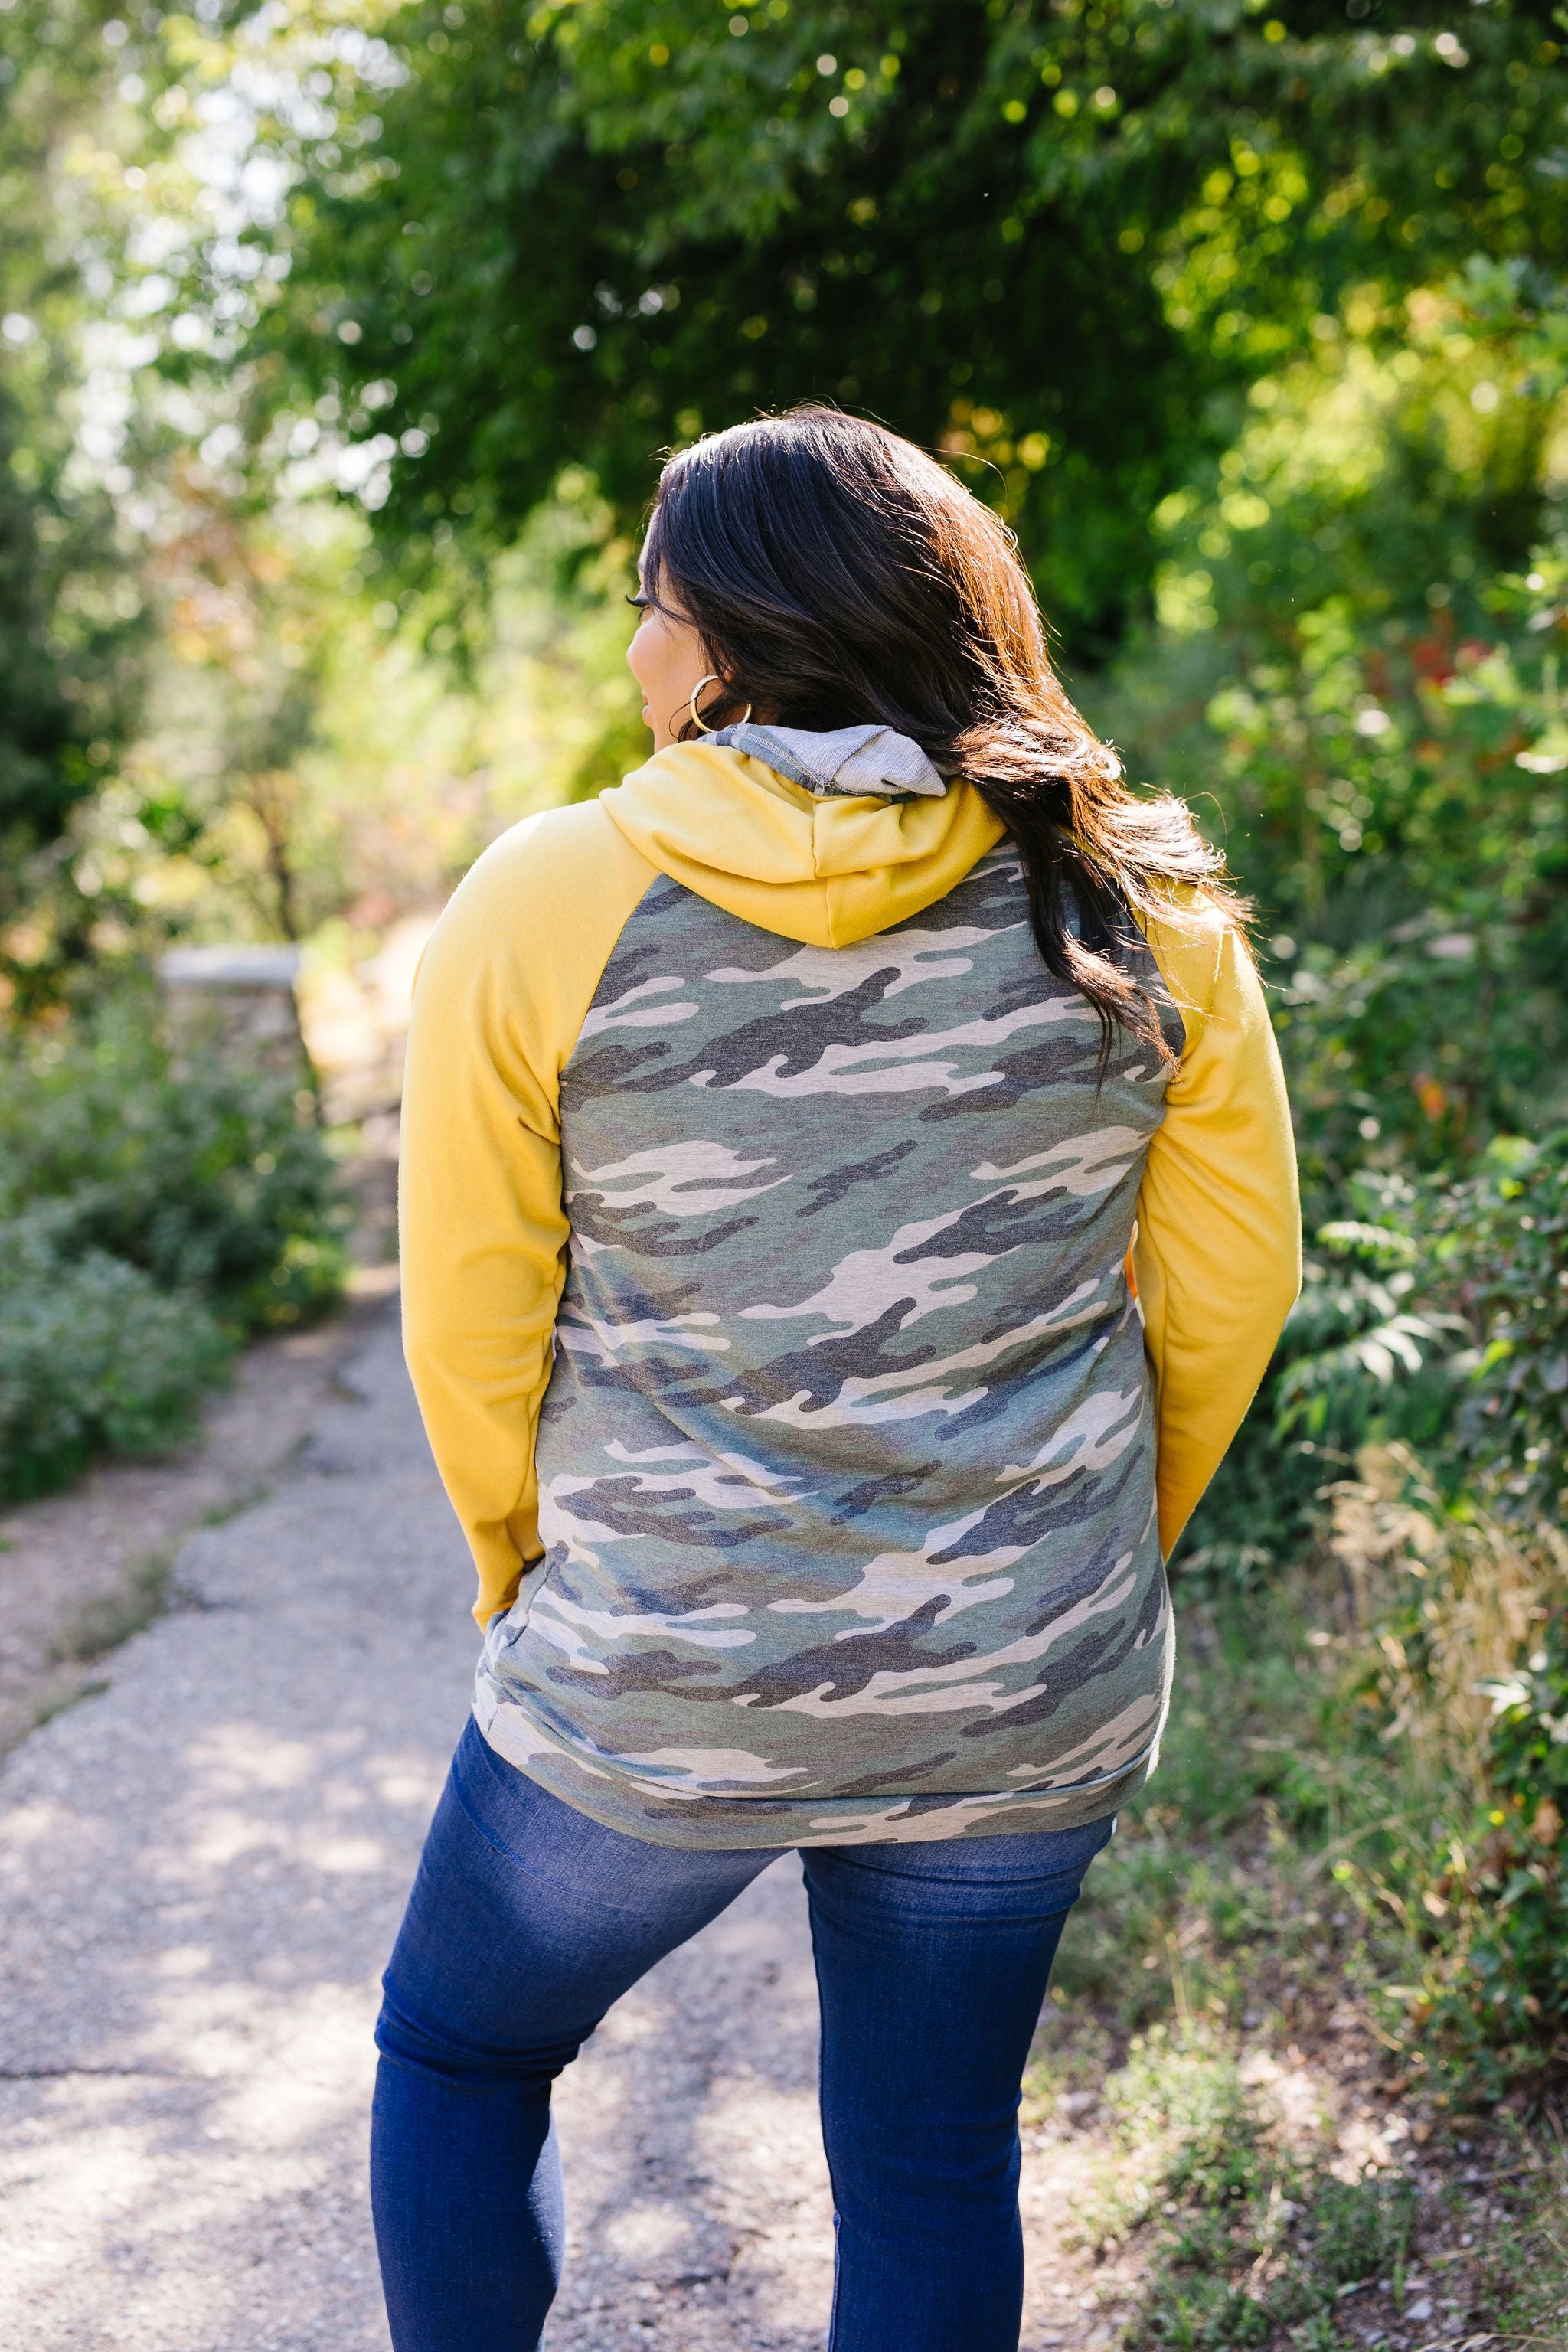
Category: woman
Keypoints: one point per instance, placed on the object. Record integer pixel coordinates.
(848, 1204)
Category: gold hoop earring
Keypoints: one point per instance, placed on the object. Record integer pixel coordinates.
(711, 678)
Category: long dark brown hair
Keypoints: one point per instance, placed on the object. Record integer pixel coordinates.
(837, 574)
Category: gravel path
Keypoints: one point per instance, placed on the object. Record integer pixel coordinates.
(83, 1570)
(202, 1866)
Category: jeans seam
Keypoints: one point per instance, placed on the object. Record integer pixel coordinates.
(821, 2109)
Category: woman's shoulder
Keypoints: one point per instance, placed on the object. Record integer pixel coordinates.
(553, 872)
(1199, 942)
(574, 848)
(524, 939)
(1189, 921)
(1187, 912)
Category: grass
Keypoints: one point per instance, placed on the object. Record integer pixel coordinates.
(111, 1617)
(1332, 1825)
(1295, 2165)
(1516, 2272)
(1256, 2236)
(61, 1700)
(1217, 1897)
(233, 1506)
(129, 1607)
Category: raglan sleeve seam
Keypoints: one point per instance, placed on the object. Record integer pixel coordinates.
(505, 985)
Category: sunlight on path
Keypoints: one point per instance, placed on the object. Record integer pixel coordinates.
(201, 1871)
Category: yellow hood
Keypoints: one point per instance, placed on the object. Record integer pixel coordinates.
(825, 871)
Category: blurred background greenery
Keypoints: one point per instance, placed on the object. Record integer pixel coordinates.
(339, 341)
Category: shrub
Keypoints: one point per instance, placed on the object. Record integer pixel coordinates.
(151, 1214)
(1498, 1985)
(1409, 1052)
(1361, 1358)
(1518, 1951)
(93, 1356)
(209, 1177)
(1462, 1684)
(1498, 1251)
(1375, 1350)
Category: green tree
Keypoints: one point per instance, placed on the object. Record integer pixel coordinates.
(68, 600)
(1055, 239)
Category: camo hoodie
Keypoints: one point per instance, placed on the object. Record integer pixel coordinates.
(820, 1357)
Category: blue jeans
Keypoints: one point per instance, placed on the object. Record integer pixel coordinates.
(527, 1920)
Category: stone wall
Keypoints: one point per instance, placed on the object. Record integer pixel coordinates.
(239, 999)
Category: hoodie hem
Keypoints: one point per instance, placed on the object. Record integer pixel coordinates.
(616, 1801)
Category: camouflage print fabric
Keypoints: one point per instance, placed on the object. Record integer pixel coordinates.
(847, 1463)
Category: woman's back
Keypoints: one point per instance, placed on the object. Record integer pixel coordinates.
(849, 1425)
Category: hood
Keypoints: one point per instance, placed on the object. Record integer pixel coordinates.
(826, 871)
(845, 759)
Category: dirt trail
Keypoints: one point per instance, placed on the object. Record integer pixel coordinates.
(201, 1868)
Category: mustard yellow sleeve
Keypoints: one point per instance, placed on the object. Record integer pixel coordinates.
(502, 989)
(1217, 1257)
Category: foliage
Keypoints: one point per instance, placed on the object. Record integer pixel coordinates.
(70, 602)
(1257, 2237)
(1253, 323)
(1376, 1348)
(1353, 682)
(1520, 1952)
(315, 750)
(93, 1356)
(151, 1213)
(1499, 1249)
(1452, 1673)
(1349, 656)
(897, 210)
(207, 1175)
(321, 750)
(1360, 1799)
(1352, 1334)
(1462, 1660)
(1366, 689)
(1264, 1893)
(1363, 1354)
(1439, 1315)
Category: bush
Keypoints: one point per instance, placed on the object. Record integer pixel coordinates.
(1436, 1315)
(210, 1178)
(1459, 1677)
(1497, 1252)
(1410, 1052)
(151, 1215)
(1519, 1948)
(93, 1357)
(1363, 1357)
(1494, 1915)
